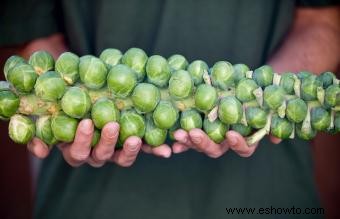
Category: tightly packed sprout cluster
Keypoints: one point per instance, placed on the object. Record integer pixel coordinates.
(150, 97)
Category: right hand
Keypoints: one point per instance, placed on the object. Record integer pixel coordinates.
(79, 151)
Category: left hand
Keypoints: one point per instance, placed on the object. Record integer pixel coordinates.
(196, 139)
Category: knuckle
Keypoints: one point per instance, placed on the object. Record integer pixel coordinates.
(103, 155)
(78, 156)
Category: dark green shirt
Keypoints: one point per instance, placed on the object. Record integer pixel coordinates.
(189, 185)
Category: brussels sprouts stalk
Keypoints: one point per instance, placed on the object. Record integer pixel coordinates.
(282, 109)
(206, 77)
(331, 125)
(292, 135)
(244, 119)
(258, 135)
(33, 105)
(184, 104)
(306, 124)
(297, 86)
(123, 103)
(97, 94)
(320, 93)
(259, 95)
(213, 114)
(276, 79)
(249, 74)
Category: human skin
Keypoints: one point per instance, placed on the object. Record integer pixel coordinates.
(312, 44)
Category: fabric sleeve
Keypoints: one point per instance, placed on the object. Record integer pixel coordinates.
(24, 20)
(317, 3)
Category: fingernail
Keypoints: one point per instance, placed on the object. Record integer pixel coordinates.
(167, 155)
(232, 140)
(111, 130)
(86, 126)
(133, 147)
(196, 138)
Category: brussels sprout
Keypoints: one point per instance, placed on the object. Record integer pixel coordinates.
(240, 71)
(180, 85)
(326, 79)
(50, 86)
(111, 57)
(11, 62)
(332, 96)
(22, 77)
(305, 134)
(205, 97)
(263, 75)
(337, 122)
(95, 138)
(165, 115)
(44, 130)
(42, 61)
(230, 110)
(281, 127)
(104, 111)
(64, 127)
(145, 97)
(222, 75)
(131, 124)
(303, 75)
(216, 130)
(273, 96)
(309, 87)
(320, 118)
(287, 82)
(76, 102)
(136, 59)
(191, 119)
(177, 62)
(21, 129)
(196, 70)
(121, 80)
(92, 72)
(242, 129)
(296, 110)
(256, 117)
(67, 65)
(245, 90)
(9, 104)
(154, 136)
(158, 71)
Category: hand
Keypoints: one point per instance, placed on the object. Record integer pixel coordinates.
(80, 152)
(196, 139)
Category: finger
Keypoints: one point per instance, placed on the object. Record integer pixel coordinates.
(179, 148)
(274, 139)
(77, 153)
(183, 137)
(94, 163)
(105, 148)
(163, 151)
(146, 149)
(205, 144)
(129, 152)
(238, 144)
(38, 148)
